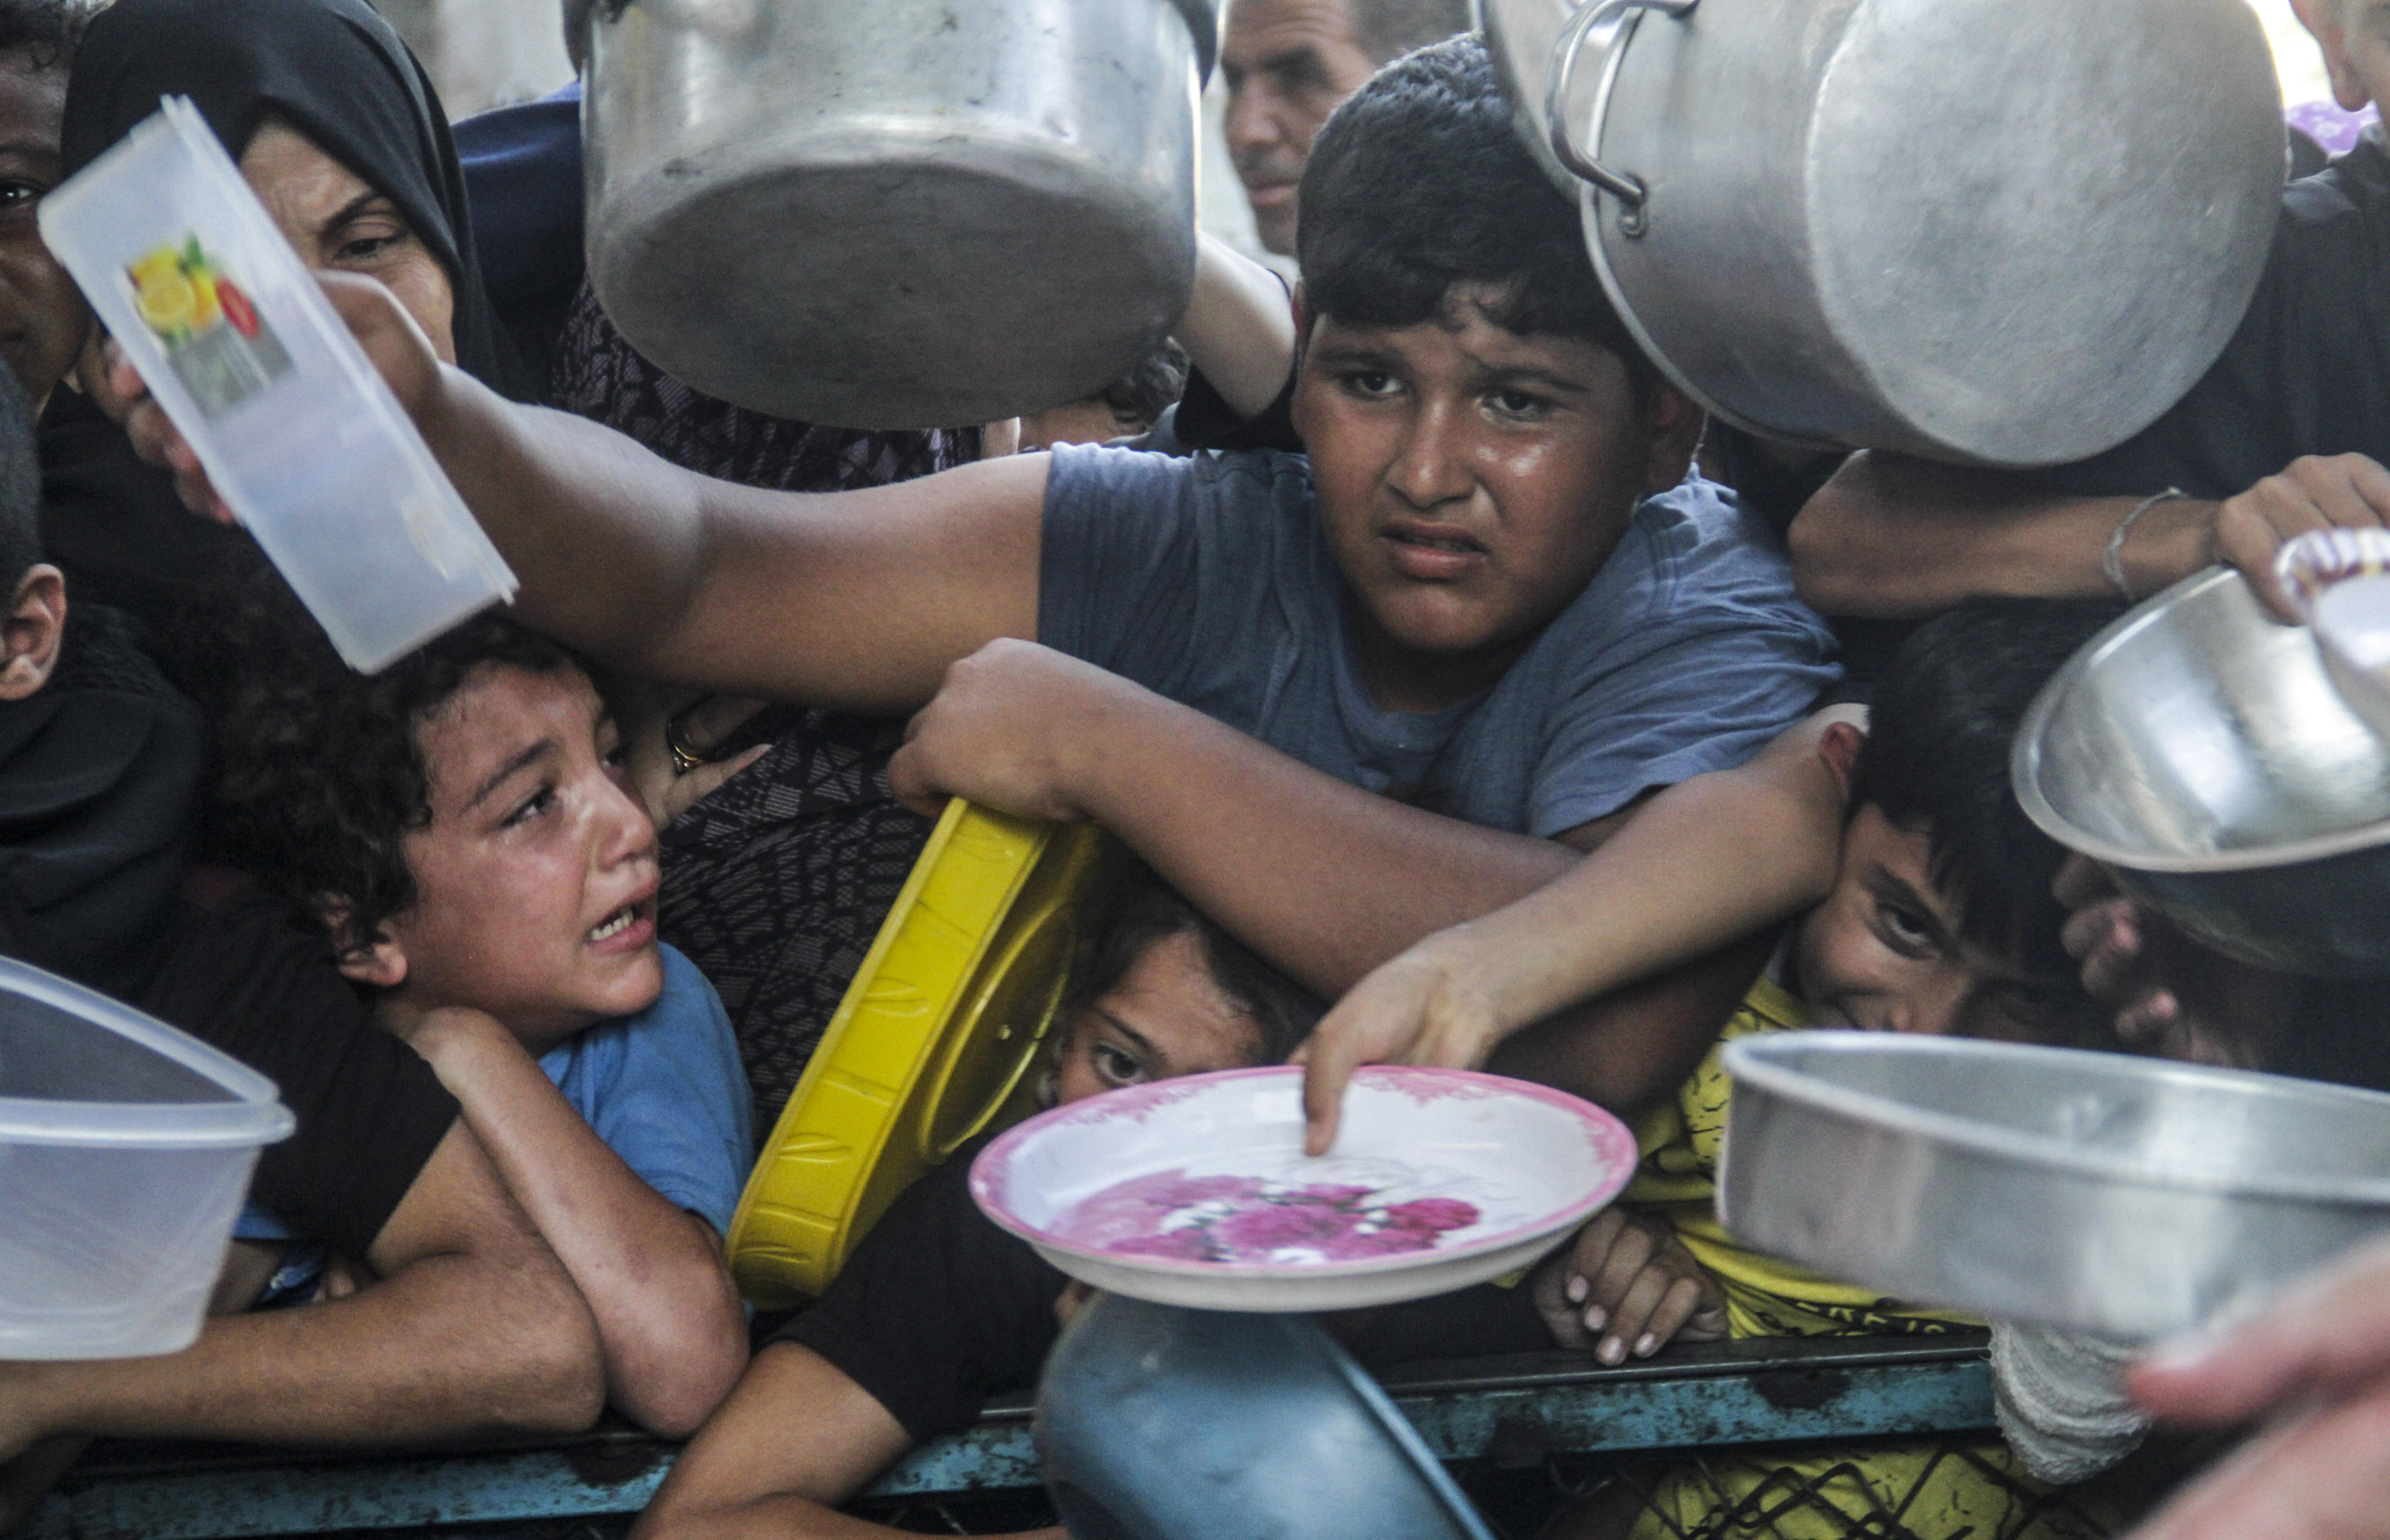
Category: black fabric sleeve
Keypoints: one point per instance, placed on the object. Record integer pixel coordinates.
(1205, 420)
(248, 978)
(1478, 1322)
(937, 1310)
(2342, 1034)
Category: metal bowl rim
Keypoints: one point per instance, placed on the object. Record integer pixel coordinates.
(1750, 1060)
(2024, 765)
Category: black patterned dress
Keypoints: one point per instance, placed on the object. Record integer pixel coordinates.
(776, 884)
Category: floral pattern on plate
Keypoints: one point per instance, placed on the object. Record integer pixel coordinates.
(1244, 1219)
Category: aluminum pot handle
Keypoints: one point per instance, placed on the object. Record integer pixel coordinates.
(1626, 187)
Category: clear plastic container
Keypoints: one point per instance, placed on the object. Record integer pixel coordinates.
(125, 1149)
(300, 434)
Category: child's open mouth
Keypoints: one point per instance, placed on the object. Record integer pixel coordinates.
(628, 926)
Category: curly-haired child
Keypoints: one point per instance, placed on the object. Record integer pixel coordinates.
(461, 826)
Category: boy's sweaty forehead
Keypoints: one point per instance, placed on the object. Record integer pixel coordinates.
(1469, 337)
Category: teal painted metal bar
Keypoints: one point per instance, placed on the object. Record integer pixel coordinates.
(1505, 1411)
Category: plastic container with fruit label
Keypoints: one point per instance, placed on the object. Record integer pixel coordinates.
(301, 436)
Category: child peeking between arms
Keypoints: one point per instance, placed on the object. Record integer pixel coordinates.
(938, 1310)
(461, 827)
(1920, 900)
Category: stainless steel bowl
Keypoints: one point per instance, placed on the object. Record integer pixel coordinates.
(2098, 1191)
(1159, 1423)
(2199, 751)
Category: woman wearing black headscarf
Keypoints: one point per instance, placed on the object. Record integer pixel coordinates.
(340, 132)
(334, 73)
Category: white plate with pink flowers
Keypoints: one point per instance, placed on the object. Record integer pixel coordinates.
(1196, 1191)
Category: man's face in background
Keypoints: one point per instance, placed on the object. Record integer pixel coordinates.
(1288, 64)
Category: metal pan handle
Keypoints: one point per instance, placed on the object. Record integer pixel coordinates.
(1626, 187)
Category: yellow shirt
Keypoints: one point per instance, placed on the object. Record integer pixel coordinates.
(1930, 1489)
(1766, 1297)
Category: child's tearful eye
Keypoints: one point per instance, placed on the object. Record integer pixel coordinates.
(531, 807)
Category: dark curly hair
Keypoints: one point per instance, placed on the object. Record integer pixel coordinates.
(322, 776)
(1939, 730)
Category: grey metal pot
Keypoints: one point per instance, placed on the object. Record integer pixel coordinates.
(1161, 1423)
(2091, 1191)
(909, 213)
(2198, 750)
(2005, 232)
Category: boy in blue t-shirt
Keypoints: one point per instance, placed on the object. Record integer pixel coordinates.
(461, 826)
(1339, 700)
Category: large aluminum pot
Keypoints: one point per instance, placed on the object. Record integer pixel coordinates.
(2091, 1191)
(2002, 232)
(909, 214)
(2198, 751)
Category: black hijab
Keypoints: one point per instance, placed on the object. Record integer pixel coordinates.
(98, 773)
(338, 73)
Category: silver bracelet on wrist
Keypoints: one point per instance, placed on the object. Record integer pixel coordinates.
(2112, 560)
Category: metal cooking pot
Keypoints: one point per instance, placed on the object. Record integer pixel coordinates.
(909, 213)
(1160, 1423)
(2091, 1190)
(2198, 750)
(2004, 232)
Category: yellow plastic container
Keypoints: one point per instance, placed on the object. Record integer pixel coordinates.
(931, 1047)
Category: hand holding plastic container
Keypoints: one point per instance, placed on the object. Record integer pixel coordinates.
(293, 425)
(2339, 579)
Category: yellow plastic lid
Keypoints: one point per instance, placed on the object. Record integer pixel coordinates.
(930, 1047)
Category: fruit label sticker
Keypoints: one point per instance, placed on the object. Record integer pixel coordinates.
(219, 348)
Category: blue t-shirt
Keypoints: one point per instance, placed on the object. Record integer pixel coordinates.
(1208, 580)
(663, 1088)
(666, 1092)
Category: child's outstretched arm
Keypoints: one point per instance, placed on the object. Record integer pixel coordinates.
(669, 1323)
(1704, 863)
(1238, 328)
(795, 1440)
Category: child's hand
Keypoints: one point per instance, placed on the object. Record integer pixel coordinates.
(1626, 1283)
(1010, 728)
(2172, 997)
(2346, 491)
(1433, 1004)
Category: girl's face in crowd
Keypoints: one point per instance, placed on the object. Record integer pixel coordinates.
(1472, 481)
(1166, 1016)
(1885, 952)
(537, 878)
(333, 220)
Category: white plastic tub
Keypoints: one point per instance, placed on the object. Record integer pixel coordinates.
(125, 1149)
(297, 430)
